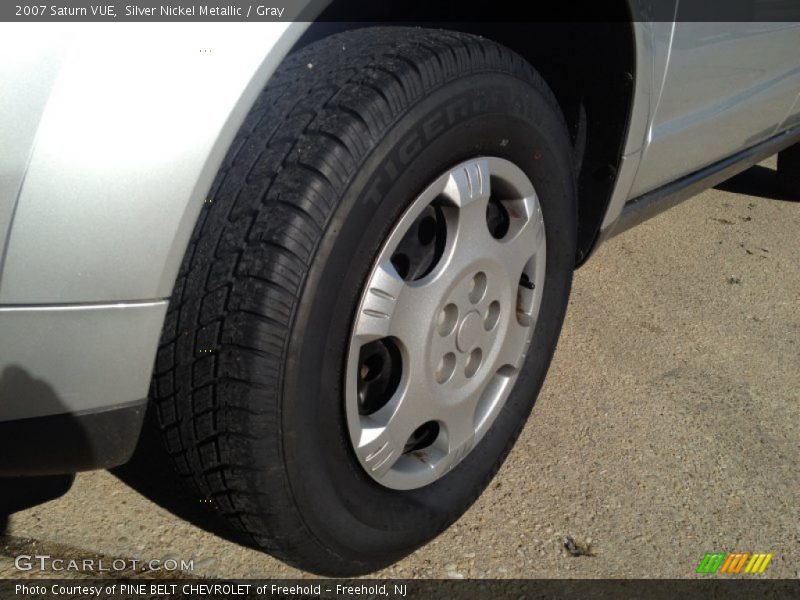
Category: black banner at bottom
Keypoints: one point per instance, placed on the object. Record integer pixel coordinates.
(396, 589)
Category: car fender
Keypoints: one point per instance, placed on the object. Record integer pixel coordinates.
(133, 131)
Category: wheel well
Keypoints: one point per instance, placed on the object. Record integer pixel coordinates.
(589, 67)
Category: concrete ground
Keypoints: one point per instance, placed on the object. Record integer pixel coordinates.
(668, 427)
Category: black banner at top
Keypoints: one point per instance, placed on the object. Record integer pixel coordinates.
(397, 11)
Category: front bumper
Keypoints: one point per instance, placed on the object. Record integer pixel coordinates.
(73, 384)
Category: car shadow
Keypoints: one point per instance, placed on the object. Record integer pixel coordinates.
(150, 473)
(23, 451)
(758, 181)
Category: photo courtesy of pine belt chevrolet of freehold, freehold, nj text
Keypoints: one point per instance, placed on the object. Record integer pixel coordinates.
(315, 270)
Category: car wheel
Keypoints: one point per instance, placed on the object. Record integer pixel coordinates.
(372, 295)
(789, 170)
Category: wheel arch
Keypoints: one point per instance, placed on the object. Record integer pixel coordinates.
(593, 69)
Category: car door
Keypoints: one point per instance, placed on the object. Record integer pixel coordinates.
(726, 87)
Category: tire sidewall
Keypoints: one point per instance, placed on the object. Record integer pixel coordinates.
(490, 114)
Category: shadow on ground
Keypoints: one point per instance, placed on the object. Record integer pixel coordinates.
(759, 181)
(26, 445)
(150, 473)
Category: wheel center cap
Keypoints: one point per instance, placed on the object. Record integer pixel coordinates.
(469, 331)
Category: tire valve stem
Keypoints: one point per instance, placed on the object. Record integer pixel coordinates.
(525, 282)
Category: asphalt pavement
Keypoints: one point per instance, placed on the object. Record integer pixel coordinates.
(668, 426)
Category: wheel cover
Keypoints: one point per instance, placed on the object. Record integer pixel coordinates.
(444, 322)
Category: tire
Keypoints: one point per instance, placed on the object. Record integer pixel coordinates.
(248, 386)
(789, 170)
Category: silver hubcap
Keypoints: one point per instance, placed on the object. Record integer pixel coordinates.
(444, 322)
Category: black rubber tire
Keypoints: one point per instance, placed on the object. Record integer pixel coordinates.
(789, 170)
(248, 380)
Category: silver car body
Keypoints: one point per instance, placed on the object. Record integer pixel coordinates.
(110, 138)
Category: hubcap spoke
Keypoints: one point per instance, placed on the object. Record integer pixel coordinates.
(380, 447)
(514, 344)
(374, 319)
(469, 182)
(528, 241)
(460, 425)
(385, 434)
(469, 187)
(389, 305)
